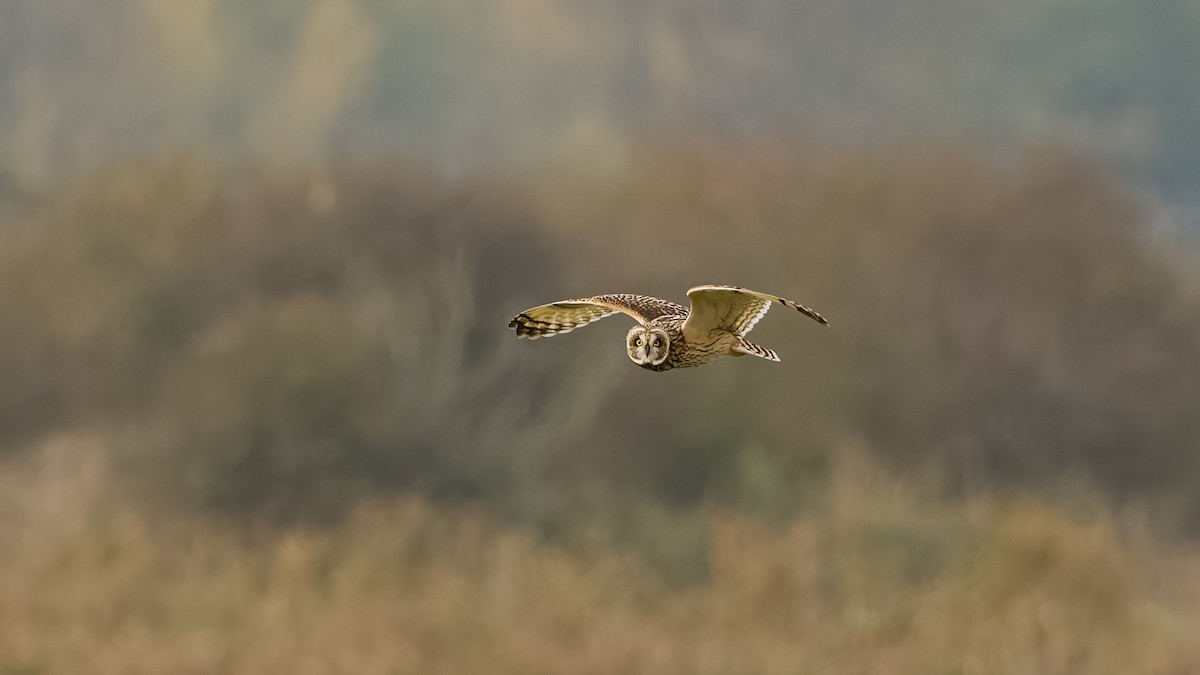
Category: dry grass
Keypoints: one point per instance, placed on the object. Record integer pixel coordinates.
(874, 583)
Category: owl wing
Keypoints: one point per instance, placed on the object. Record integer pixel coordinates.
(567, 315)
(733, 309)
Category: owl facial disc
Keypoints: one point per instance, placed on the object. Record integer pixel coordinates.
(647, 346)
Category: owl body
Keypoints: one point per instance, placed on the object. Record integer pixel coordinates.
(680, 353)
(668, 335)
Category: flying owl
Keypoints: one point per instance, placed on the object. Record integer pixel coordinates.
(668, 335)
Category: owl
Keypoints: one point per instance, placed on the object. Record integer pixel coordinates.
(668, 335)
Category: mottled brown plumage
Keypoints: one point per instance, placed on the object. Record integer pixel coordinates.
(668, 335)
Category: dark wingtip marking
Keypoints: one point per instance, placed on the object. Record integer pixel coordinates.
(806, 311)
(524, 324)
(532, 328)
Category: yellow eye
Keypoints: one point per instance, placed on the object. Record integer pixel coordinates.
(657, 341)
(639, 342)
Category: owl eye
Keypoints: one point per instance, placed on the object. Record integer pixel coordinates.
(657, 342)
(639, 342)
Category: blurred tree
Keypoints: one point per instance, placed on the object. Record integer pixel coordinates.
(284, 343)
(468, 85)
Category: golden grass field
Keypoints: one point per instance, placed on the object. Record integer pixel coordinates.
(875, 581)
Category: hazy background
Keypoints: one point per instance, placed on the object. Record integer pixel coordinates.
(463, 85)
(259, 410)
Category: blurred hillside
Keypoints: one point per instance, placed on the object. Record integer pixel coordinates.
(466, 85)
(256, 342)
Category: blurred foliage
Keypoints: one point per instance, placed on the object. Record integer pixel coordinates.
(874, 581)
(465, 84)
(281, 344)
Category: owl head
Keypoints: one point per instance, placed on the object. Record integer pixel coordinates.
(647, 346)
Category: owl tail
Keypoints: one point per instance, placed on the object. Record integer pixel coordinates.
(744, 346)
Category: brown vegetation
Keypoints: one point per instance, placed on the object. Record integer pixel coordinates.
(284, 343)
(873, 582)
(263, 421)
